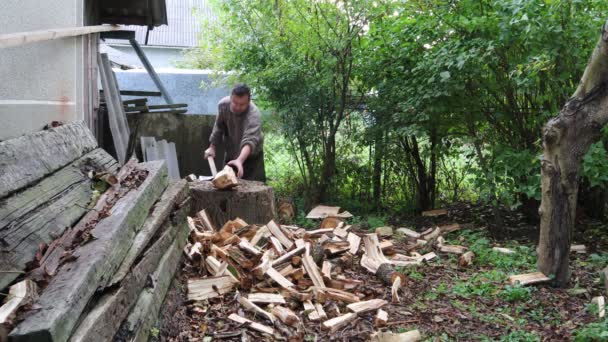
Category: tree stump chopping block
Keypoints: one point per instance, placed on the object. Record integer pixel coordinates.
(251, 201)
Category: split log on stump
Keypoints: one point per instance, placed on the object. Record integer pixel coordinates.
(566, 139)
(225, 179)
(144, 314)
(29, 158)
(41, 213)
(68, 292)
(251, 201)
(102, 321)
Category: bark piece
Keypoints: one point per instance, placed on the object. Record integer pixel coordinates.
(251, 324)
(368, 305)
(204, 288)
(286, 316)
(266, 298)
(338, 322)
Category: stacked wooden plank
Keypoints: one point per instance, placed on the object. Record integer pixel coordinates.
(285, 273)
(100, 258)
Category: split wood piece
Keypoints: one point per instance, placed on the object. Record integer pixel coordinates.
(297, 296)
(408, 232)
(276, 244)
(326, 269)
(20, 294)
(395, 290)
(263, 232)
(287, 270)
(336, 247)
(38, 214)
(300, 242)
(211, 287)
(225, 179)
(266, 298)
(601, 305)
(453, 249)
(31, 157)
(341, 283)
(338, 322)
(323, 238)
(579, 249)
(251, 324)
(342, 232)
(432, 235)
(503, 250)
(197, 236)
(327, 292)
(386, 273)
(435, 213)
(466, 259)
(410, 336)
(229, 228)
(278, 233)
(405, 263)
(448, 228)
(149, 303)
(249, 305)
(323, 211)
(195, 252)
(104, 318)
(191, 177)
(278, 278)
(384, 231)
(219, 252)
(313, 271)
(528, 278)
(316, 232)
(330, 222)
(79, 280)
(206, 221)
(239, 258)
(286, 316)
(387, 247)
(420, 242)
(231, 240)
(315, 312)
(248, 247)
(354, 242)
(381, 318)
(192, 224)
(289, 255)
(368, 305)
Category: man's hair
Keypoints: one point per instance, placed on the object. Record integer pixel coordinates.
(241, 89)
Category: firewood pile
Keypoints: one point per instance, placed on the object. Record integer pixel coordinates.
(283, 281)
(81, 261)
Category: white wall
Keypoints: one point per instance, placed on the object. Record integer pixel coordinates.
(159, 56)
(44, 81)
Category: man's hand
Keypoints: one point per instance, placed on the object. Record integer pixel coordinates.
(239, 166)
(210, 152)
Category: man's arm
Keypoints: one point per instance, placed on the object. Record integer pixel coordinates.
(251, 141)
(238, 162)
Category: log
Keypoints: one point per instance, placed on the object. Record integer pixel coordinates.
(252, 201)
(338, 322)
(40, 213)
(29, 158)
(330, 222)
(251, 324)
(102, 321)
(368, 305)
(225, 179)
(528, 278)
(204, 288)
(326, 269)
(286, 316)
(323, 211)
(175, 194)
(381, 318)
(68, 292)
(343, 296)
(266, 298)
(503, 250)
(144, 314)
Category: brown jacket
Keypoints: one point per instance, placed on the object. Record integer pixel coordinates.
(238, 130)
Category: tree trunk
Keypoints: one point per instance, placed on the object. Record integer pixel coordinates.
(377, 171)
(566, 139)
(329, 168)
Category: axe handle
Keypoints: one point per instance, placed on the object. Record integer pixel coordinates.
(212, 166)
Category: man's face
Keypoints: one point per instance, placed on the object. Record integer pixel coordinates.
(239, 104)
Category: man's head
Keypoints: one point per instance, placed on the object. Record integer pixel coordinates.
(239, 98)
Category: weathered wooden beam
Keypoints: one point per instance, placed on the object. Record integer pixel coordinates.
(145, 312)
(105, 317)
(40, 213)
(21, 38)
(69, 291)
(28, 158)
(175, 194)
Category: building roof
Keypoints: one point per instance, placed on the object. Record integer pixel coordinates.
(183, 28)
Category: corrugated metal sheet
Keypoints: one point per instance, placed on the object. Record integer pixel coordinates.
(183, 29)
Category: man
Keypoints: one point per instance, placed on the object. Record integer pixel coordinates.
(238, 124)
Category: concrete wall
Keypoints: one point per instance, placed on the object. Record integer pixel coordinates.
(190, 133)
(183, 85)
(159, 56)
(41, 82)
